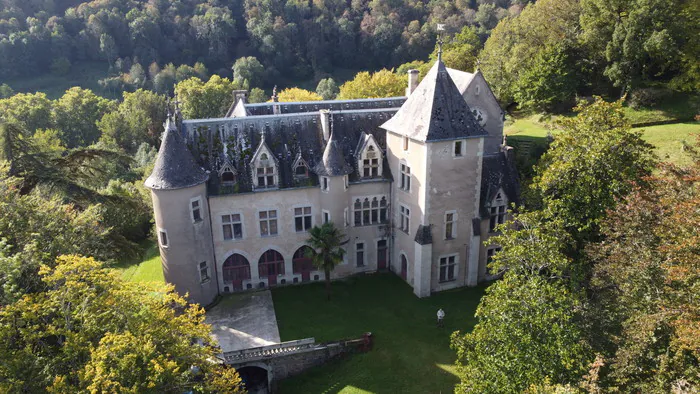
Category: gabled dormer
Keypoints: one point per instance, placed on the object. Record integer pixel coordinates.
(228, 174)
(264, 167)
(369, 157)
(300, 167)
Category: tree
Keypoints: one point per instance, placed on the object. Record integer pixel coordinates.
(76, 114)
(139, 118)
(528, 332)
(248, 70)
(326, 242)
(549, 83)
(92, 331)
(327, 88)
(205, 100)
(383, 83)
(646, 284)
(459, 52)
(590, 165)
(521, 44)
(296, 94)
(31, 111)
(257, 95)
(6, 91)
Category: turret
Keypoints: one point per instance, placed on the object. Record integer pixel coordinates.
(333, 171)
(183, 225)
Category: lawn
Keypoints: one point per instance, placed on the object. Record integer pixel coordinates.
(668, 139)
(147, 269)
(410, 355)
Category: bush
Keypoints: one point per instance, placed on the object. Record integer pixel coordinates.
(647, 97)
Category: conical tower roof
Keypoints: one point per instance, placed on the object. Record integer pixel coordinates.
(175, 167)
(333, 162)
(435, 111)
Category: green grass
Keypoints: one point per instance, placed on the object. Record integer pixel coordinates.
(679, 106)
(410, 354)
(147, 270)
(84, 75)
(668, 139)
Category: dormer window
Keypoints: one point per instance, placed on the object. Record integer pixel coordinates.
(370, 158)
(228, 174)
(498, 211)
(301, 169)
(264, 165)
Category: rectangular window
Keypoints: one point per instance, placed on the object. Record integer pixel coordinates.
(371, 168)
(447, 268)
(302, 219)
(232, 226)
(324, 184)
(360, 249)
(163, 238)
(498, 216)
(490, 252)
(405, 183)
(196, 205)
(203, 272)
(266, 177)
(370, 210)
(405, 221)
(458, 148)
(346, 219)
(268, 223)
(326, 217)
(450, 225)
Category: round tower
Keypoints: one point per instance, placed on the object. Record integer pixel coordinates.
(183, 226)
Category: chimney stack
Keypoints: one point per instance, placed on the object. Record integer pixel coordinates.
(240, 94)
(325, 123)
(412, 81)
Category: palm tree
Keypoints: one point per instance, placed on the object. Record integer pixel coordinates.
(326, 242)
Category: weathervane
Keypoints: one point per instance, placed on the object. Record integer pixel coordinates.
(440, 27)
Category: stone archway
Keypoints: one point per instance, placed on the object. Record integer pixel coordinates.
(255, 378)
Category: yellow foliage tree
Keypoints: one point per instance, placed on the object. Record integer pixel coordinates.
(297, 94)
(383, 83)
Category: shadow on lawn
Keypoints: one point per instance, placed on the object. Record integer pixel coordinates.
(410, 354)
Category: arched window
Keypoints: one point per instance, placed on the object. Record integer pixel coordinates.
(301, 261)
(271, 264)
(228, 177)
(370, 160)
(236, 269)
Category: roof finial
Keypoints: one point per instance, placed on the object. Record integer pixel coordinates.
(440, 27)
(262, 136)
(478, 63)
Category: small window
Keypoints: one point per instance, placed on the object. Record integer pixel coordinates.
(346, 219)
(324, 184)
(405, 181)
(405, 219)
(326, 217)
(459, 146)
(268, 223)
(232, 226)
(266, 177)
(302, 219)
(450, 218)
(346, 180)
(196, 205)
(498, 212)
(301, 170)
(228, 177)
(360, 254)
(405, 143)
(203, 272)
(448, 266)
(163, 235)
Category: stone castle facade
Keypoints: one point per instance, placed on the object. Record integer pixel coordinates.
(416, 183)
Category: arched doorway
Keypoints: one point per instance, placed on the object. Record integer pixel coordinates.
(404, 266)
(236, 269)
(302, 264)
(270, 265)
(254, 379)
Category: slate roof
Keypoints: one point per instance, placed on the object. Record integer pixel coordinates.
(423, 235)
(214, 142)
(435, 111)
(313, 106)
(498, 172)
(175, 168)
(332, 163)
